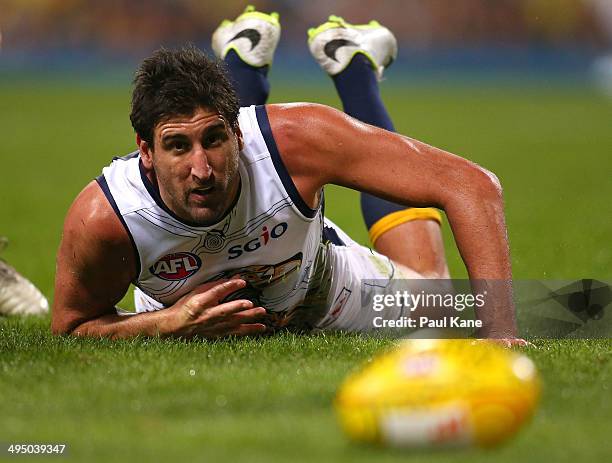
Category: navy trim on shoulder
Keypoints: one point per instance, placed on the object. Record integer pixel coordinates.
(330, 234)
(323, 201)
(281, 170)
(154, 192)
(109, 196)
(127, 157)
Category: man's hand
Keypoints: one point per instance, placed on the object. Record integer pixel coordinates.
(201, 312)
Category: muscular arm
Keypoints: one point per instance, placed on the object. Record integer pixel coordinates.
(95, 265)
(321, 145)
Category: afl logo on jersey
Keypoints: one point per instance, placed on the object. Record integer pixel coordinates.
(177, 266)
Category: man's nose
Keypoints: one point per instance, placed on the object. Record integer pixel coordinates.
(200, 167)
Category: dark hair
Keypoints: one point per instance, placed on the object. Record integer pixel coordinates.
(177, 82)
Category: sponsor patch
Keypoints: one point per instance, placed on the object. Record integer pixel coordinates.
(263, 239)
(177, 266)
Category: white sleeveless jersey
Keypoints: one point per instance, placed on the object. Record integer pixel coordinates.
(270, 237)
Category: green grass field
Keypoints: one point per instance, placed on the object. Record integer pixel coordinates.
(269, 400)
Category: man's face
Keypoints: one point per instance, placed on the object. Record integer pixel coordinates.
(195, 161)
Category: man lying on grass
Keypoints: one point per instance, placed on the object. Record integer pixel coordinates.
(218, 217)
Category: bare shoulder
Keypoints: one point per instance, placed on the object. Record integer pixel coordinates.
(94, 237)
(315, 129)
(299, 109)
(92, 216)
(321, 145)
(303, 122)
(308, 136)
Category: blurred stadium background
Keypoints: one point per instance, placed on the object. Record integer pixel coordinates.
(436, 36)
(519, 86)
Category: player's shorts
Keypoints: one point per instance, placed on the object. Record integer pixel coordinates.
(359, 273)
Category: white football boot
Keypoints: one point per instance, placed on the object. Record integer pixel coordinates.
(252, 35)
(335, 42)
(18, 296)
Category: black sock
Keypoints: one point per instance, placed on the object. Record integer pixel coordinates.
(251, 83)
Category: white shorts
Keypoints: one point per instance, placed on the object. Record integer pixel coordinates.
(350, 305)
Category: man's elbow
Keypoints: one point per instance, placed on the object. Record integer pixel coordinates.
(62, 325)
(60, 328)
(486, 185)
(494, 183)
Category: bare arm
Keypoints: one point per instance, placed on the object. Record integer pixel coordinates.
(95, 265)
(321, 145)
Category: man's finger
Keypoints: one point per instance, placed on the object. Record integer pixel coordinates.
(254, 315)
(227, 311)
(204, 313)
(208, 286)
(217, 292)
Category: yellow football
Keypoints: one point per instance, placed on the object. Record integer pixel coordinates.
(436, 393)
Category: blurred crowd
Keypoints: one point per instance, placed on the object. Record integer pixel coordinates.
(125, 25)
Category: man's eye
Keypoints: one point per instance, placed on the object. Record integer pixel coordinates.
(213, 140)
(179, 146)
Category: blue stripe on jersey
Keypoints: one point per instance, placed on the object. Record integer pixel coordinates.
(154, 192)
(127, 157)
(109, 196)
(330, 234)
(266, 131)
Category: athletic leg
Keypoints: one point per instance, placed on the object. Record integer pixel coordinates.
(356, 61)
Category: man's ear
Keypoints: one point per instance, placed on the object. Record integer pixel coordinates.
(145, 152)
(238, 133)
